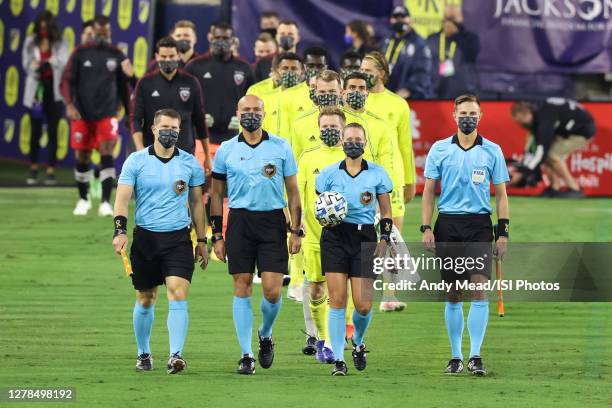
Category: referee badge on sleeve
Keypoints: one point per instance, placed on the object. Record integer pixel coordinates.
(478, 176)
(180, 186)
(269, 170)
(366, 198)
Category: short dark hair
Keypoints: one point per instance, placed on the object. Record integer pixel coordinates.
(221, 25)
(355, 125)
(354, 75)
(88, 23)
(169, 113)
(101, 19)
(332, 111)
(350, 54)
(520, 107)
(269, 14)
(316, 51)
(287, 56)
(288, 22)
(165, 42)
(466, 98)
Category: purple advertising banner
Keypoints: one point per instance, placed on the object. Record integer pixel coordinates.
(535, 36)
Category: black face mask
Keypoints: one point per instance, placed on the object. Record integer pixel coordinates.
(101, 40)
(220, 47)
(330, 136)
(467, 124)
(356, 100)
(313, 96)
(286, 42)
(326, 100)
(250, 121)
(399, 27)
(168, 137)
(309, 73)
(168, 66)
(353, 149)
(271, 31)
(183, 46)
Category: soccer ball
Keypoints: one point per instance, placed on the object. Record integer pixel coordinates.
(330, 208)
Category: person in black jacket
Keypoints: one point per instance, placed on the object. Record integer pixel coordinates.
(559, 127)
(170, 87)
(454, 51)
(93, 87)
(224, 80)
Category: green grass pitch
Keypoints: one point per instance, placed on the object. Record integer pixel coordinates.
(65, 320)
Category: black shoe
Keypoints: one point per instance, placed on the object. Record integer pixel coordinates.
(310, 348)
(359, 357)
(246, 365)
(571, 194)
(339, 368)
(455, 366)
(550, 193)
(266, 352)
(144, 362)
(32, 178)
(50, 180)
(475, 367)
(176, 364)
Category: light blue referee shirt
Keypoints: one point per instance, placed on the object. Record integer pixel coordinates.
(360, 191)
(466, 175)
(255, 175)
(161, 187)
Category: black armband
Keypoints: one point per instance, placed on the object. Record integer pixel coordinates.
(216, 224)
(503, 228)
(386, 226)
(120, 225)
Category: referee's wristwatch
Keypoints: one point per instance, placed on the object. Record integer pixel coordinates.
(215, 238)
(202, 240)
(298, 231)
(424, 228)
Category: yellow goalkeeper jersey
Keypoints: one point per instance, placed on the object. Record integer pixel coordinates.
(310, 163)
(395, 111)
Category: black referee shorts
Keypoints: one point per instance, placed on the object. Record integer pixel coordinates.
(156, 255)
(460, 238)
(341, 250)
(256, 237)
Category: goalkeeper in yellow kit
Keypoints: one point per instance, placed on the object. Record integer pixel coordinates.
(310, 163)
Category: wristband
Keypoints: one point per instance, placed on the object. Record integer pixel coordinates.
(386, 226)
(203, 240)
(120, 225)
(216, 224)
(503, 228)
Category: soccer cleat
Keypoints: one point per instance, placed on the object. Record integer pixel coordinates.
(266, 352)
(32, 178)
(310, 347)
(392, 306)
(144, 362)
(475, 367)
(339, 368)
(50, 180)
(294, 292)
(550, 193)
(569, 193)
(324, 355)
(176, 364)
(455, 366)
(359, 357)
(246, 365)
(105, 209)
(82, 207)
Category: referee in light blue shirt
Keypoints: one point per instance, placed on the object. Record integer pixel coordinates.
(163, 179)
(256, 167)
(465, 164)
(363, 184)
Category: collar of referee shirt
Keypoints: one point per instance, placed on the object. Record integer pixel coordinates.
(264, 136)
(455, 140)
(364, 166)
(163, 159)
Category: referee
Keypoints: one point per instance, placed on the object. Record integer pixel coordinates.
(465, 164)
(363, 184)
(169, 87)
(256, 167)
(162, 178)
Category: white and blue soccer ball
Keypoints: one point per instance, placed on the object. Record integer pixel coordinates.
(331, 208)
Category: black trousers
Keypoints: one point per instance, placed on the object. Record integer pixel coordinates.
(53, 112)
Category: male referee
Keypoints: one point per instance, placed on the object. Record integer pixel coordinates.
(256, 167)
(465, 164)
(162, 177)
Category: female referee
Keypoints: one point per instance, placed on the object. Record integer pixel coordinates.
(362, 183)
